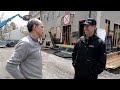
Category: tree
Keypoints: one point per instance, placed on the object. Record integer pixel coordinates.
(13, 25)
(2, 16)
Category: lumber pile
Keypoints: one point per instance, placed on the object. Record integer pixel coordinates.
(113, 60)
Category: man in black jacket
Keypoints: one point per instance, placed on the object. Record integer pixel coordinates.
(89, 54)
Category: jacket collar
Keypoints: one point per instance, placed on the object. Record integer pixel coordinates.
(89, 39)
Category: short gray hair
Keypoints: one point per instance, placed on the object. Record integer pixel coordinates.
(33, 21)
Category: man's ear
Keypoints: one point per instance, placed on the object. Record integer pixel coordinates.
(94, 26)
(34, 26)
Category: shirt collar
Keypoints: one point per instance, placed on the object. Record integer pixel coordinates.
(35, 39)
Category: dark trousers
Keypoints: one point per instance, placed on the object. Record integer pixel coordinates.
(79, 75)
(86, 77)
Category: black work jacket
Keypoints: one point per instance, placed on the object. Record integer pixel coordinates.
(89, 56)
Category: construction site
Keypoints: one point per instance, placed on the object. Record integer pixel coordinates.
(60, 37)
(63, 28)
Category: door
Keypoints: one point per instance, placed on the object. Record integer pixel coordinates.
(115, 35)
(81, 28)
(66, 34)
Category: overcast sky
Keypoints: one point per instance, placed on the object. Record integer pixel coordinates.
(17, 19)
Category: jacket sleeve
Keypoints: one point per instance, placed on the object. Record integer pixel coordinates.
(101, 61)
(74, 54)
(21, 52)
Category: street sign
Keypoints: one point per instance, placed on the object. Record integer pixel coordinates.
(66, 19)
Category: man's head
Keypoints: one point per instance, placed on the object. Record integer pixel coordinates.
(89, 26)
(35, 26)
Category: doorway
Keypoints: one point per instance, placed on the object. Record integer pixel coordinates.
(81, 28)
(66, 34)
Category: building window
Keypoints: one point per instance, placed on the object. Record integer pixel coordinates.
(44, 16)
(39, 18)
(52, 30)
(57, 13)
(47, 17)
(58, 31)
(116, 37)
(52, 15)
(66, 12)
(107, 26)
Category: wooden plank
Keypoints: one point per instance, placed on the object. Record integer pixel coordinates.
(112, 54)
(114, 64)
(117, 60)
(113, 60)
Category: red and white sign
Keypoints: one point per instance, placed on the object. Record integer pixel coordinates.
(66, 19)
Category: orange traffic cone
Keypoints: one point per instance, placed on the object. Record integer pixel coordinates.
(64, 42)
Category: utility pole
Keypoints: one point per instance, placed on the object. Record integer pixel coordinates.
(89, 14)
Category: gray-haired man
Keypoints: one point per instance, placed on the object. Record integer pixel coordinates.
(26, 61)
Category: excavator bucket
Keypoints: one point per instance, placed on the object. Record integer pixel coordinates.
(26, 17)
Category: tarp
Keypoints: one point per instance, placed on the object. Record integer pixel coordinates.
(101, 33)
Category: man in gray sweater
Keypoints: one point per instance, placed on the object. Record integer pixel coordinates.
(26, 61)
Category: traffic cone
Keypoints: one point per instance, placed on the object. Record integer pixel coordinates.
(64, 42)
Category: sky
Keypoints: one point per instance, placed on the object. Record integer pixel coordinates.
(17, 19)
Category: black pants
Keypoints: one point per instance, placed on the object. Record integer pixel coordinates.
(86, 77)
(79, 75)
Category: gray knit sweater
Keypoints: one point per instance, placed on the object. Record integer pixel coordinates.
(26, 61)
